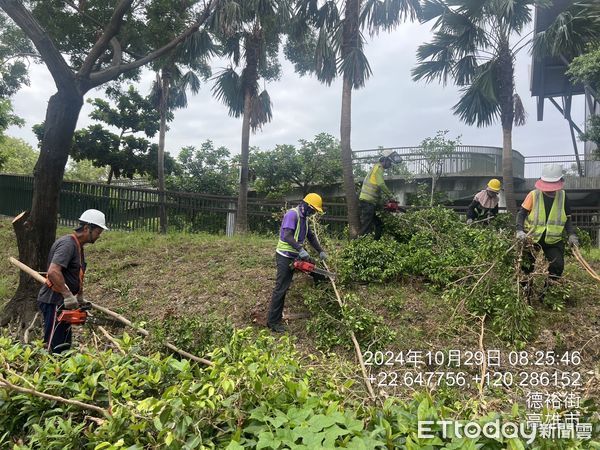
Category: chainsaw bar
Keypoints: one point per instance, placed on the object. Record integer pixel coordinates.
(324, 272)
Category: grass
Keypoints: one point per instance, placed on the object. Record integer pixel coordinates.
(206, 284)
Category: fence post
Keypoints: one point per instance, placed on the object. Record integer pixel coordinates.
(230, 227)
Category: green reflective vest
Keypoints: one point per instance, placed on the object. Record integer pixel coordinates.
(373, 185)
(284, 246)
(537, 222)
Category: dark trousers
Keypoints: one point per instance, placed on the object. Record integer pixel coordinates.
(369, 221)
(283, 280)
(554, 253)
(57, 335)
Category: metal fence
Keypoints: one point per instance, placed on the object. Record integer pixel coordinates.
(134, 209)
(138, 209)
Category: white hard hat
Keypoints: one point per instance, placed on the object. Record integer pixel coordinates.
(94, 217)
(551, 173)
(391, 155)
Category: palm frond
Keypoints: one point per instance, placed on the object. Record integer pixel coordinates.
(433, 70)
(325, 58)
(433, 9)
(571, 32)
(478, 103)
(355, 67)
(226, 17)
(198, 46)
(515, 13)
(190, 80)
(465, 69)
(380, 15)
(520, 115)
(228, 89)
(260, 110)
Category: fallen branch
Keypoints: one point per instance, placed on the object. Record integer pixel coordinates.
(112, 340)
(26, 334)
(110, 313)
(352, 335)
(484, 359)
(584, 263)
(7, 384)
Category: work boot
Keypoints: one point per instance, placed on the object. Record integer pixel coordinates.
(277, 327)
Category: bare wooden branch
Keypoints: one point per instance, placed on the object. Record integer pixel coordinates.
(112, 340)
(110, 73)
(102, 43)
(58, 67)
(29, 328)
(484, 362)
(112, 314)
(7, 384)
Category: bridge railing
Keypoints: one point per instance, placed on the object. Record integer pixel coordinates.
(465, 160)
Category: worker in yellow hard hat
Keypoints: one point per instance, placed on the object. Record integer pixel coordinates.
(294, 232)
(485, 203)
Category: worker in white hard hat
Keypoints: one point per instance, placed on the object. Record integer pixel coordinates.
(374, 193)
(64, 279)
(544, 215)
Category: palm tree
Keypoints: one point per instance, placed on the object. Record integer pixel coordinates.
(250, 33)
(337, 38)
(169, 93)
(474, 45)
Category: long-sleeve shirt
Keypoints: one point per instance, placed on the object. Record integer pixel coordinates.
(483, 206)
(288, 230)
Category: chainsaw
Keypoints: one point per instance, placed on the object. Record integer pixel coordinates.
(393, 206)
(80, 316)
(311, 267)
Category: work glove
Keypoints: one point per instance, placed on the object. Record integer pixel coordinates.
(323, 256)
(469, 221)
(521, 235)
(303, 255)
(573, 241)
(70, 302)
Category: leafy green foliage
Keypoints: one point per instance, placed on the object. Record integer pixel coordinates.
(286, 167)
(472, 266)
(256, 395)
(17, 156)
(206, 169)
(15, 50)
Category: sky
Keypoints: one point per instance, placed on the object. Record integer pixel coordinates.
(390, 111)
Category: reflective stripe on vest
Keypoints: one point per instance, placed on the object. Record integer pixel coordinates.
(371, 191)
(553, 225)
(284, 246)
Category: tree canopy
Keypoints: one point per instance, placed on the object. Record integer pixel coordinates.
(286, 167)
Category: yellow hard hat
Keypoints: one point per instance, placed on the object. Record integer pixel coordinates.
(494, 185)
(315, 201)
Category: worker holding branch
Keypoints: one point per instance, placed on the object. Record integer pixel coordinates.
(293, 233)
(64, 280)
(544, 215)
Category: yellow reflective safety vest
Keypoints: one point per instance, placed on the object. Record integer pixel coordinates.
(284, 246)
(373, 185)
(553, 224)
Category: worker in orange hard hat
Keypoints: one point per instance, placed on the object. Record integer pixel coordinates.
(485, 203)
(294, 232)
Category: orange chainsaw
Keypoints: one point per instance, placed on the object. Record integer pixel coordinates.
(80, 316)
(308, 266)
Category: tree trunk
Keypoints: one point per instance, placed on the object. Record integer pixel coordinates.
(110, 176)
(350, 41)
(36, 230)
(432, 190)
(507, 170)
(164, 98)
(507, 112)
(241, 220)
